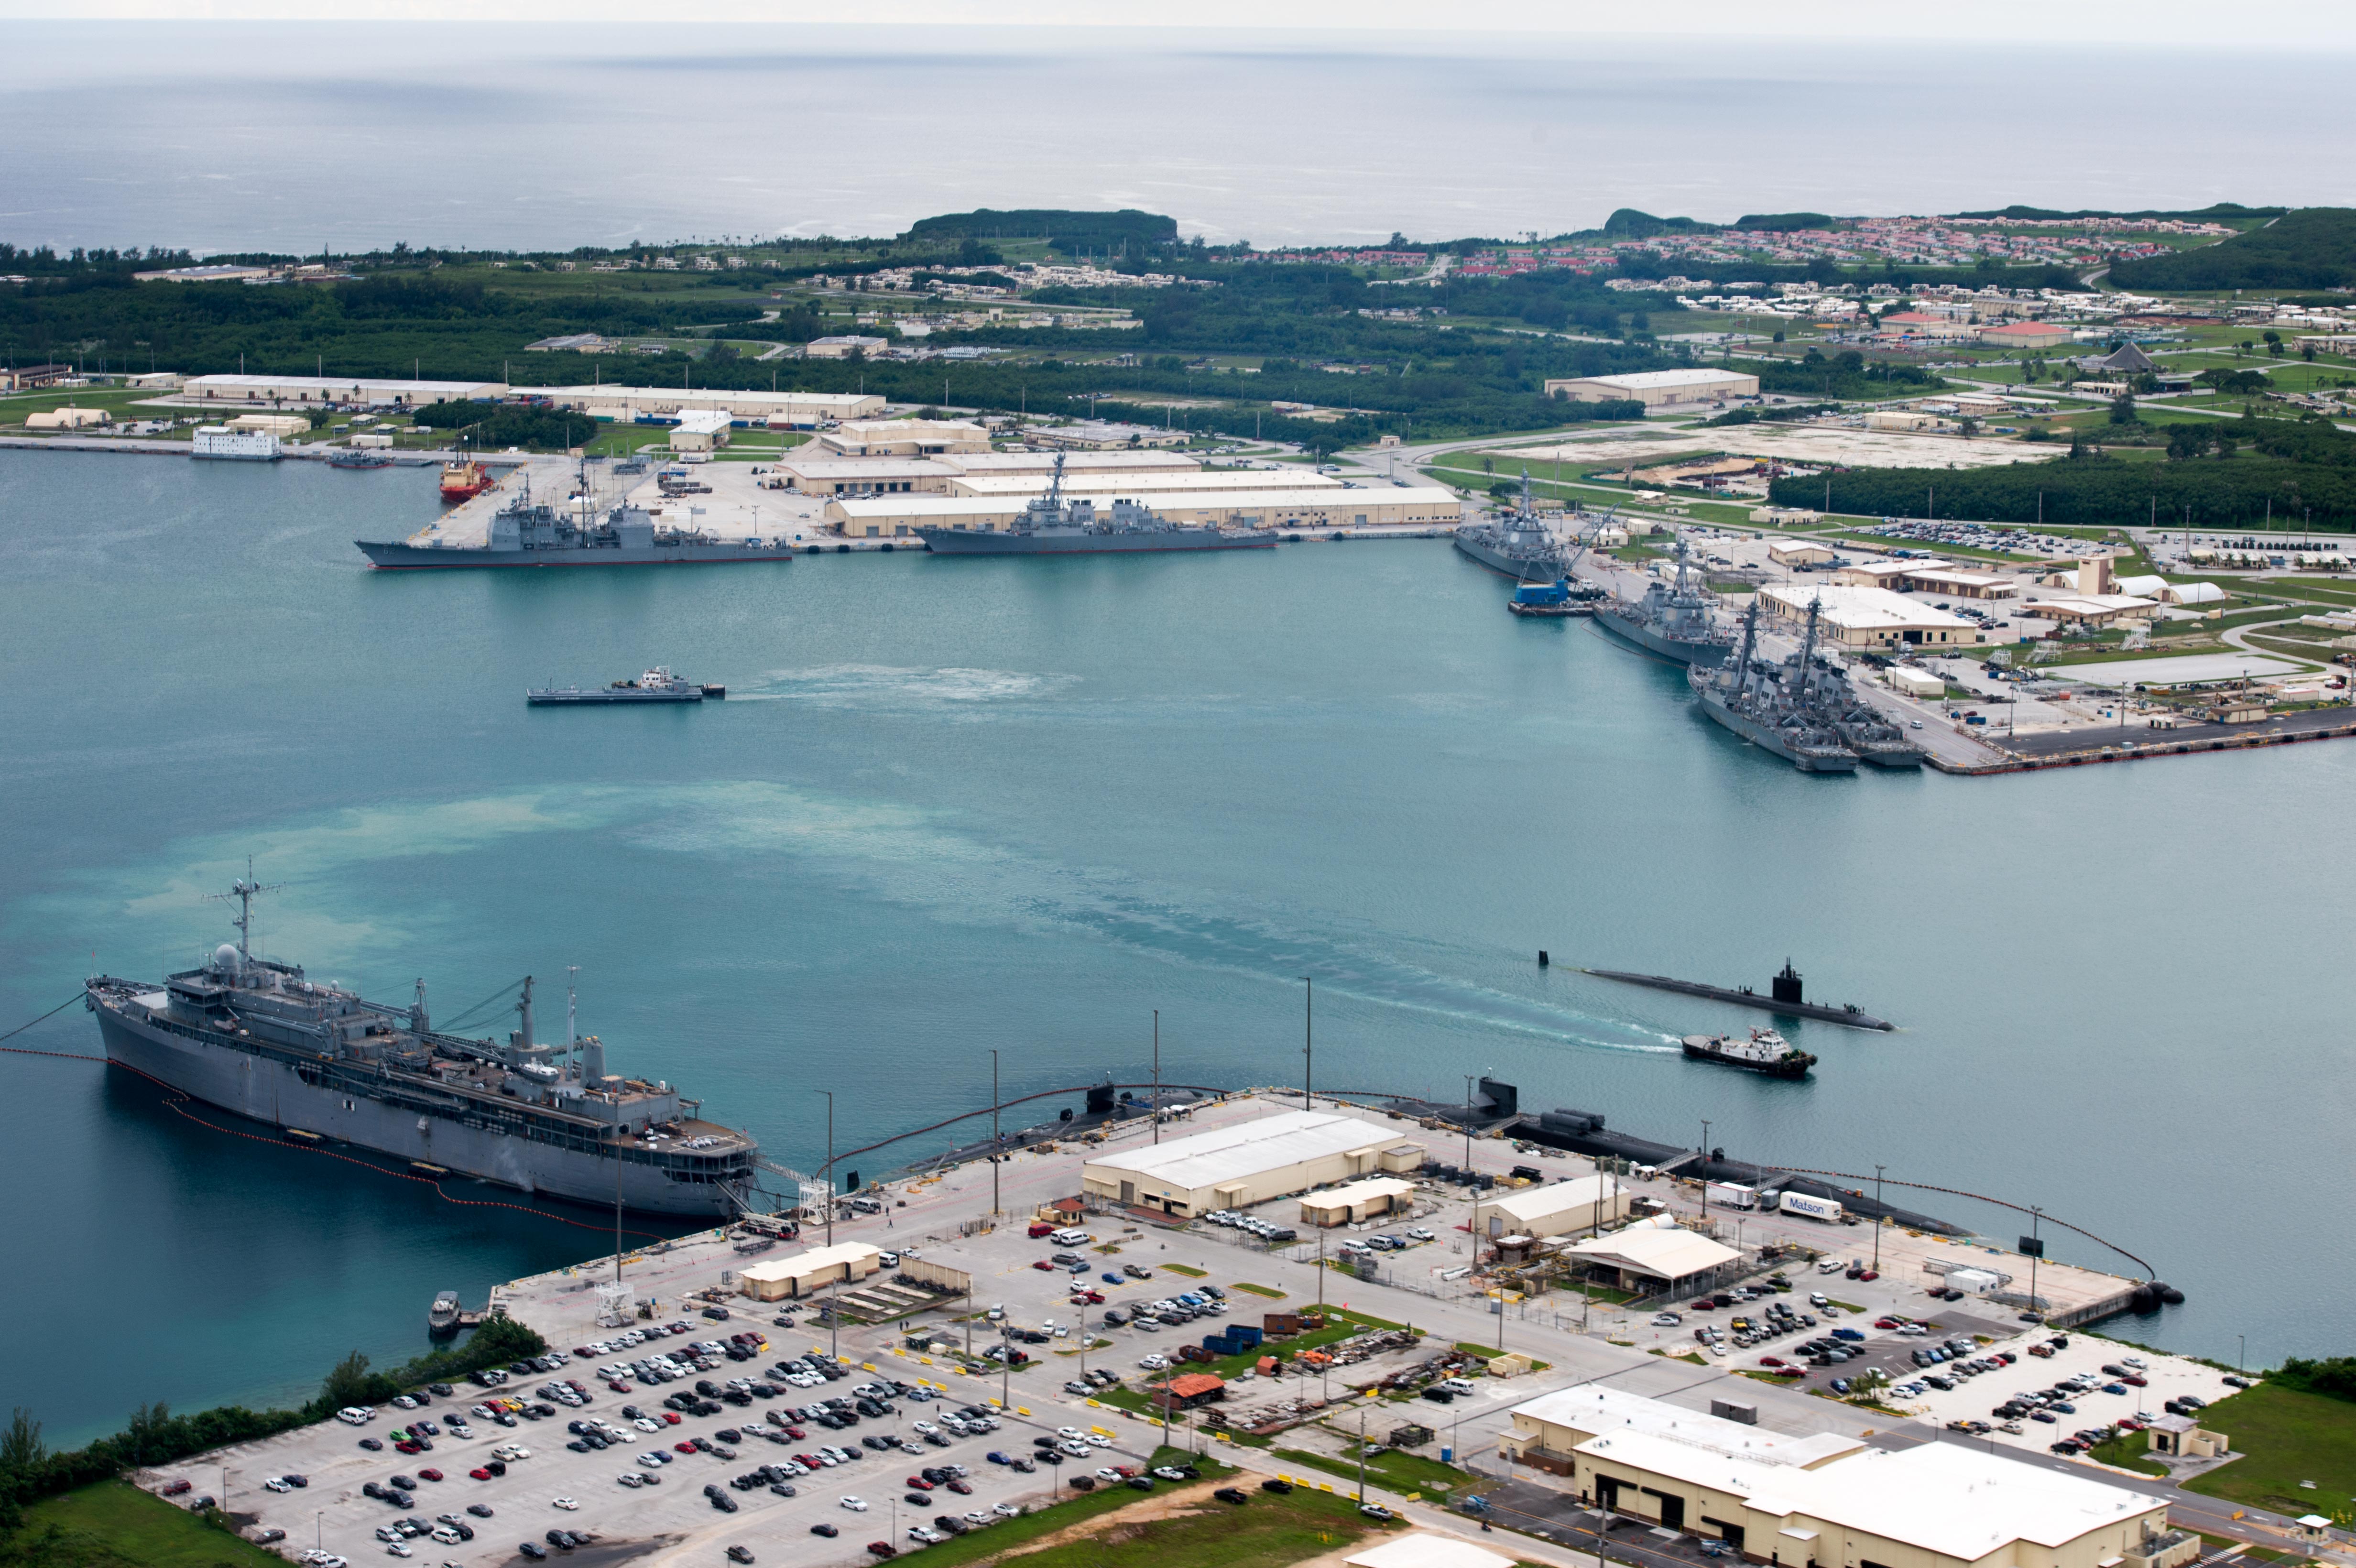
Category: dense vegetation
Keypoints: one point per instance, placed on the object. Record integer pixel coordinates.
(2334, 1377)
(1067, 232)
(29, 1471)
(2216, 212)
(1847, 374)
(2313, 248)
(506, 424)
(2300, 471)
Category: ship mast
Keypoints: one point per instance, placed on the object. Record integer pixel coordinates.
(243, 890)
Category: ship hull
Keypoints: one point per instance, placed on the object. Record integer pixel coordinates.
(1517, 567)
(1638, 632)
(977, 541)
(1791, 1067)
(586, 698)
(1767, 738)
(273, 1093)
(394, 557)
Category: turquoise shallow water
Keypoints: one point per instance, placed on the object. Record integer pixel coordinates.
(953, 806)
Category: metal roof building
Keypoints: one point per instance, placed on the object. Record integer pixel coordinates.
(1866, 617)
(1655, 389)
(1249, 1162)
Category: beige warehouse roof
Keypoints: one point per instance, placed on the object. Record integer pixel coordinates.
(949, 510)
(1663, 1254)
(1357, 1192)
(1074, 461)
(1536, 1203)
(1192, 479)
(1247, 1148)
(1958, 1502)
(801, 1265)
(1862, 609)
(1598, 1411)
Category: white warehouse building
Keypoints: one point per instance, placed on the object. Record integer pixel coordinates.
(1248, 1163)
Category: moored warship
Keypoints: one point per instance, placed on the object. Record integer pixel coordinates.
(1051, 525)
(1673, 620)
(256, 1037)
(1519, 544)
(529, 533)
(1772, 705)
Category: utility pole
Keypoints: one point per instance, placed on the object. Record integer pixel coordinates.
(997, 1144)
(1362, 1455)
(1879, 1219)
(1468, 1127)
(2035, 1215)
(1157, 1075)
(830, 1165)
(1308, 1039)
(1703, 1172)
(1320, 1269)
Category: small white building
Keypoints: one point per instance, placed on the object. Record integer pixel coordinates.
(1646, 1257)
(701, 430)
(804, 1273)
(249, 445)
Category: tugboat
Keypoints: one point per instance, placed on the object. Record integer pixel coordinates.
(657, 685)
(441, 1317)
(464, 480)
(1765, 1051)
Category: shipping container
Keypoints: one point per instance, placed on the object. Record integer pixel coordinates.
(1810, 1208)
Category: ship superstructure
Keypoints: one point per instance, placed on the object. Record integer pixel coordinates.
(529, 533)
(1053, 524)
(1672, 620)
(1772, 706)
(1519, 544)
(260, 1037)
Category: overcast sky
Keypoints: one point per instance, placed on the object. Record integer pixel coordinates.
(2290, 26)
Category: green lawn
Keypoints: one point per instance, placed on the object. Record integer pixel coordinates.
(116, 1523)
(2288, 1437)
(2127, 1451)
(1391, 1468)
(1266, 1532)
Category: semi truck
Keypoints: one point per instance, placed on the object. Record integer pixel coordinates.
(1811, 1207)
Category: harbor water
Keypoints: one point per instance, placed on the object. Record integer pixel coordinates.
(953, 807)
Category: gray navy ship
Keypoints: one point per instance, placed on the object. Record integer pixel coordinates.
(1051, 525)
(1519, 544)
(1674, 622)
(1771, 706)
(256, 1037)
(529, 533)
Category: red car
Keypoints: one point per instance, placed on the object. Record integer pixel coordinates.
(682, 1448)
(406, 1446)
(1771, 1360)
(810, 1462)
(619, 1386)
(174, 1488)
(961, 1488)
(882, 1549)
(1043, 1266)
(671, 1417)
(1704, 1305)
(2135, 1380)
(585, 1352)
(429, 1475)
(480, 1475)
(1092, 1298)
(1867, 1274)
(796, 1434)
(1041, 1228)
(918, 1484)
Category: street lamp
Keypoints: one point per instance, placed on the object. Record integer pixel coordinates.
(1703, 1170)
(1308, 1040)
(830, 1165)
(1881, 1219)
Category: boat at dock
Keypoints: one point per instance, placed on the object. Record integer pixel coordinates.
(657, 685)
(1765, 1051)
(350, 458)
(259, 1038)
(1773, 707)
(464, 480)
(1519, 544)
(1675, 621)
(441, 1317)
(526, 532)
(1053, 525)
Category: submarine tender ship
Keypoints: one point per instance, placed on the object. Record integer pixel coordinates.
(254, 1036)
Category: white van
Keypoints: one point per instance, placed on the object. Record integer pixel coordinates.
(1071, 1238)
(1459, 1385)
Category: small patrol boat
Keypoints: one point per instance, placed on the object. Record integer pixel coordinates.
(657, 685)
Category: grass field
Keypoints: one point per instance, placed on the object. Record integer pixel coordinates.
(2126, 1451)
(1390, 1468)
(2286, 1437)
(115, 1522)
(1269, 1531)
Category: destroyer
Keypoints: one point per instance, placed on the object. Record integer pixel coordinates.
(1051, 525)
(1517, 544)
(254, 1036)
(525, 533)
(1772, 708)
(1673, 622)
(1765, 1051)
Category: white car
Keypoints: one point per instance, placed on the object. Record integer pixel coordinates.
(631, 1478)
(1098, 1440)
(1665, 1319)
(1420, 1235)
(1155, 1362)
(856, 1504)
(356, 1416)
(926, 1429)
(398, 1549)
(276, 1484)
(567, 1504)
(1005, 1510)
(654, 1459)
(1069, 1431)
(647, 1424)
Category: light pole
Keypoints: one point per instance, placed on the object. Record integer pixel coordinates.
(2241, 1352)
(1703, 1172)
(1468, 1127)
(996, 1144)
(1308, 1039)
(830, 1165)
(1362, 1455)
(1157, 1075)
(2035, 1216)
(1879, 1220)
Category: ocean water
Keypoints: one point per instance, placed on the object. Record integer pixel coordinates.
(953, 807)
(295, 137)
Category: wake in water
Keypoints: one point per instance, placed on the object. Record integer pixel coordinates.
(891, 854)
(886, 686)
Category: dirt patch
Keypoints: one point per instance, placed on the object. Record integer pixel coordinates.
(1122, 1524)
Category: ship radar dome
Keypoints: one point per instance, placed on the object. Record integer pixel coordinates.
(225, 958)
